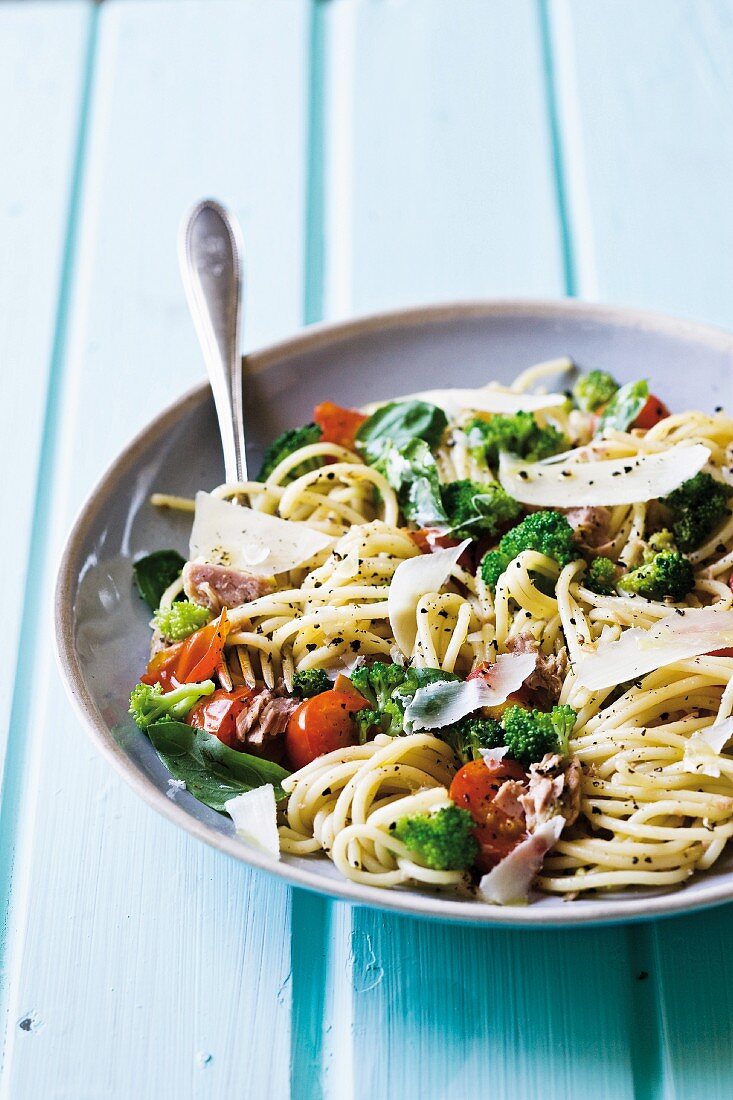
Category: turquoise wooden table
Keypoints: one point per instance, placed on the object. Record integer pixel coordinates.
(378, 152)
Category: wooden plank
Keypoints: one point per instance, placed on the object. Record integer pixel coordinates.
(644, 94)
(140, 962)
(440, 182)
(437, 151)
(42, 51)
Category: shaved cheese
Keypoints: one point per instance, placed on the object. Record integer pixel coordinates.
(702, 751)
(616, 481)
(501, 402)
(676, 637)
(228, 534)
(508, 883)
(254, 814)
(493, 756)
(447, 701)
(413, 579)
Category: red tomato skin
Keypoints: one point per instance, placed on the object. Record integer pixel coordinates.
(497, 838)
(218, 713)
(321, 725)
(474, 788)
(188, 662)
(727, 652)
(338, 425)
(654, 411)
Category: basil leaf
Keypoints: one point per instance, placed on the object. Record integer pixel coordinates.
(624, 407)
(398, 424)
(212, 771)
(155, 573)
(413, 474)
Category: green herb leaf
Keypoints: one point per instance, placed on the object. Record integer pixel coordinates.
(413, 474)
(624, 407)
(397, 424)
(155, 573)
(212, 771)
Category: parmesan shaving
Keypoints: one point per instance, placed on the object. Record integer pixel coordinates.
(702, 751)
(676, 637)
(445, 702)
(228, 534)
(486, 399)
(508, 883)
(616, 481)
(413, 579)
(254, 814)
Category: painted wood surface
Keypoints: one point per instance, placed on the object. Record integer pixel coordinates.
(378, 152)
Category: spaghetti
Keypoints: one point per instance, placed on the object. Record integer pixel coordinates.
(647, 815)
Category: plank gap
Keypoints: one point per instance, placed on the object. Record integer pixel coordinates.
(557, 151)
(313, 279)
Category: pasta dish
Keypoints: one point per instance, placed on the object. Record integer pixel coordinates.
(469, 640)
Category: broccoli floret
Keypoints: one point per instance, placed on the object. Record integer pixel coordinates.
(388, 689)
(310, 682)
(600, 576)
(698, 507)
(180, 619)
(548, 533)
(291, 440)
(593, 390)
(530, 734)
(377, 683)
(472, 734)
(520, 434)
(368, 723)
(474, 508)
(660, 540)
(493, 565)
(148, 704)
(666, 574)
(442, 840)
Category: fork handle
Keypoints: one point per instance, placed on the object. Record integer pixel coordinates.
(210, 255)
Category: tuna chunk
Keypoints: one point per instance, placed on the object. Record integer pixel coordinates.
(509, 798)
(554, 788)
(217, 586)
(265, 719)
(549, 672)
(591, 525)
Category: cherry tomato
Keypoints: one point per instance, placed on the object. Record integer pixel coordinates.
(218, 713)
(320, 725)
(654, 411)
(474, 788)
(192, 660)
(338, 425)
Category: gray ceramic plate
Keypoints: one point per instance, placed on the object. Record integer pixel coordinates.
(101, 623)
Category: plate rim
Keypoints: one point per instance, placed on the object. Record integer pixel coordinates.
(407, 902)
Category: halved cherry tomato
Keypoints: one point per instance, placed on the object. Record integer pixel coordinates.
(339, 425)
(654, 411)
(474, 788)
(320, 725)
(192, 660)
(218, 713)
